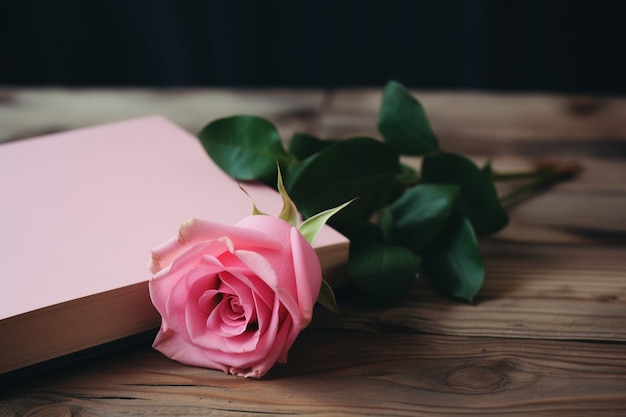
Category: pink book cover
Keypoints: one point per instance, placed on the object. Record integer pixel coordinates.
(79, 213)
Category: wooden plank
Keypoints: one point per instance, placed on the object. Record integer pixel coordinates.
(342, 374)
(485, 122)
(32, 112)
(545, 337)
(530, 291)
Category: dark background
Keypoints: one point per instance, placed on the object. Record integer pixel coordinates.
(549, 45)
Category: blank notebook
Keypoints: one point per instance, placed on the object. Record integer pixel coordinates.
(79, 213)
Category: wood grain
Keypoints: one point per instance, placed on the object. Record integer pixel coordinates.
(488, 123)
(32, 112)
(351, 374)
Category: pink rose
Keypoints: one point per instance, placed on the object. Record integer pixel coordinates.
(234, 297)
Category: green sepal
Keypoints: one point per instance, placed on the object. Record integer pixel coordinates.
(255, 210)
(327, 297)
(311, 227)
(289, 212)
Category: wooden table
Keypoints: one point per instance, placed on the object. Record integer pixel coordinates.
(547, 335)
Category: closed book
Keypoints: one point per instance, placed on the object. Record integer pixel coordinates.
(80, 212)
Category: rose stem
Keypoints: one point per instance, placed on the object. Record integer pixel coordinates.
(543, 178)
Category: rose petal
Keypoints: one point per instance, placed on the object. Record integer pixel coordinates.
(162, 283)
(284, 262)
(265, 347)
(264, 268)
(261, 367)
(221, 322)
(308, 276)
(173, 346)
(243, 293)
(196, 230)
(258, 286)
(176, 308)
(260, 266)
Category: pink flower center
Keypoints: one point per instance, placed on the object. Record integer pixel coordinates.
(230, 307)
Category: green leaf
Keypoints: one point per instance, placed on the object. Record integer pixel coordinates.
(403, 122)
(245, 147)
(453, 265)
(289, 212)
(419, 214)
(327, 297)
(360, 167)
(302, 145)
(478, 199)
(311, 227)
(383, 274)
